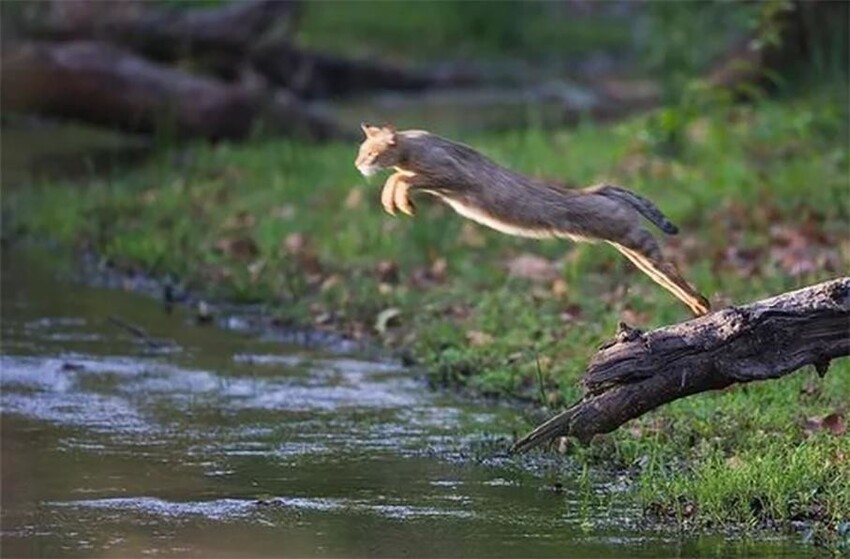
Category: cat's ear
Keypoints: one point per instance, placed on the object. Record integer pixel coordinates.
(390, 131)
(369, 130)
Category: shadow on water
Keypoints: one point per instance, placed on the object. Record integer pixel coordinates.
(225, 444)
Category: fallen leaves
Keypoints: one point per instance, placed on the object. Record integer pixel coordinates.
(799, 246)
(242, 248)
(471, 236)
(241, 220)
(239, 244)
(570, 313)
(296, 245)
(354, 199)
(833, 423)
(477, 338)
(387, 272)
(285, 212)
(560, 288)
(799, 250)
(435, 273)
(631, 316)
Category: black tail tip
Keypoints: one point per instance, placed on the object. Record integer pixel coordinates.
(670, 229)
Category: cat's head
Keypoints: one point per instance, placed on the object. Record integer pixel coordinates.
(378, 151)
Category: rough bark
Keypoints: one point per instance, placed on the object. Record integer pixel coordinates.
(764, 340)
(102, 84)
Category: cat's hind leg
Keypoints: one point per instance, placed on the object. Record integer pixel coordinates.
(642, 249)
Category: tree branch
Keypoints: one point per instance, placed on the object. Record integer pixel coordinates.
(767, 339)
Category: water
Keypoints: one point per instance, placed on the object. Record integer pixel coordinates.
(216, 443)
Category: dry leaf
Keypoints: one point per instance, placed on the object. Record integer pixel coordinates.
(242, 220)
(385, 318)
(532, 267)
(564, 444)
(734, 462)
(438, 269)
(571, 313)
(811, 388)
(477, 338)
(239, 248)
(471, 236)
(560, 288)
(330, 282)
(835, 423)
(323, 318)
(631, 316)
(255, 269)
(283, 212)
(354, 198)
(294, 243)
(387, 272)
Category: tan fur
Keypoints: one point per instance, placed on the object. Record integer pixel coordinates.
(487, 193)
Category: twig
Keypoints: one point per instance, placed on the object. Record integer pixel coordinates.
(137, 331)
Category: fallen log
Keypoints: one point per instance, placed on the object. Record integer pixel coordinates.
(159, 32)
(102, 84)
(317, 75)
(640, 371)
(220, 41)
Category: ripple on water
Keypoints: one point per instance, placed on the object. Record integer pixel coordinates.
(235, 509)
(45, 389)
(217, 509)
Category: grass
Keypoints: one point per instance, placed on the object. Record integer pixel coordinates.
(760, 192)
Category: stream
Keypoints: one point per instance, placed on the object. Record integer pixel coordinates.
(220, 443)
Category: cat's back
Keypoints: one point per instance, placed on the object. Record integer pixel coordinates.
(433, 150)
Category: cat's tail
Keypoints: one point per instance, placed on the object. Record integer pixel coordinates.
(649, 210)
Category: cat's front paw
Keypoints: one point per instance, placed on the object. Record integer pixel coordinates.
(401, 197)
(388, 195)
(396, 195)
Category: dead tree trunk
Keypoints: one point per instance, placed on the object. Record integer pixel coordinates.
(161, 33)
(764, 340)
(103, 84)
(311, 74)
